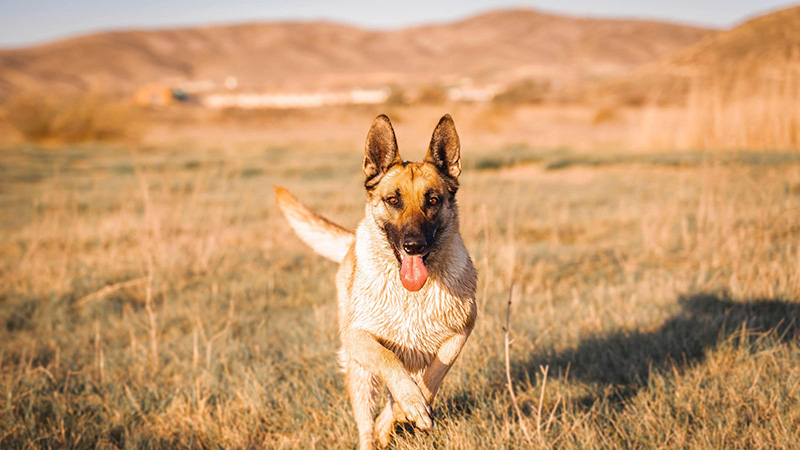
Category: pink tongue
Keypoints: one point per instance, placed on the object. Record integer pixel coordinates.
(413, 273)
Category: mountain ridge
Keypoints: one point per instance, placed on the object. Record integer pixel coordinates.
(496, 46)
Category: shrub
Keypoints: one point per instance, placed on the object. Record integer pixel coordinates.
(525, 91)
(434, 95)
(398, 97)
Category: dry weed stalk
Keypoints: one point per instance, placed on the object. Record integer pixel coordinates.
(485, 260)
(98, 352)
(220, 333)
(148, 306)
(148, 299)
(541, 427)
(509, 382)
(109, 289)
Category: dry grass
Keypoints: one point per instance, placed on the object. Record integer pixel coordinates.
(719, 116)
(525, 91)
(724, 112)
(59, 119)
(157, 299)
(431, 95)
(741, 112)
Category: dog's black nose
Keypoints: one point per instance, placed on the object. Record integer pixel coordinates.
(414, 246)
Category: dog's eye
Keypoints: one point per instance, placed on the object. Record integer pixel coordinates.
(392, 201)
(433, 201)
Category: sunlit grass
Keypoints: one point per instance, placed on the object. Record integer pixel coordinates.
(662, 297)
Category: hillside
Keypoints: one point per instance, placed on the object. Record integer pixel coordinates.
(759, 45)
(496, 46)
(765, 48)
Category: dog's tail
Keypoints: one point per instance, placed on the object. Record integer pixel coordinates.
(325, 237)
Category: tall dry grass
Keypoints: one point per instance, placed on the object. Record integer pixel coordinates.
(743, 113)
(726, 111)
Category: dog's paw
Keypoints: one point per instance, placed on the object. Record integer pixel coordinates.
(414, 409)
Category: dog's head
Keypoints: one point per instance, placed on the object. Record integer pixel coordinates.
(413, 203)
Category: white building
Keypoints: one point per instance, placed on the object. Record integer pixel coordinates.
(295, 100)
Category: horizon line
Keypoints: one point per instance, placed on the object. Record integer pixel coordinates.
(384, 29)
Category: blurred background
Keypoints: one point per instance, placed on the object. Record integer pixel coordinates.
(623, 75)
(631, 168)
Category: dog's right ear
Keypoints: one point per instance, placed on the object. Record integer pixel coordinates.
(381, 151)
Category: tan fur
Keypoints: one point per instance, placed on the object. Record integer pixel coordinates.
(324, 236)
(408, 340)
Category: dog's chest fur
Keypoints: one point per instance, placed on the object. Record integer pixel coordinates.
(412, 324)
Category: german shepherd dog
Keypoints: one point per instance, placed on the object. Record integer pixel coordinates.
(406, 285)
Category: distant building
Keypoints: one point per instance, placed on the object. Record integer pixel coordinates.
(295, 100)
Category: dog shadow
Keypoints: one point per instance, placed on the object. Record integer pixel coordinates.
(622, 361)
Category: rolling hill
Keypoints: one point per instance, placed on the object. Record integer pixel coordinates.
(762, 44)
(496, 46)
(761, 50)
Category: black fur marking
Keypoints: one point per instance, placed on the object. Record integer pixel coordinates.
(397, 235)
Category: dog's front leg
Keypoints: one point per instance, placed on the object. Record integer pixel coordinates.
(431, 381)
(361, 388)
(367, 352)
(445, 357)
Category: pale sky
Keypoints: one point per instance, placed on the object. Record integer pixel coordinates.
(28, 22)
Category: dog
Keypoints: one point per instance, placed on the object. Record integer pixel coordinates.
(406, 284)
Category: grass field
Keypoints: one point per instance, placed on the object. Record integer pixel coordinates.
(154, 298)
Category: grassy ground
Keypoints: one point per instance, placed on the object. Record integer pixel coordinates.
(154, 298)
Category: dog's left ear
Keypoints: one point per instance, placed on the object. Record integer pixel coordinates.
(380, 152)
(445, 149)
